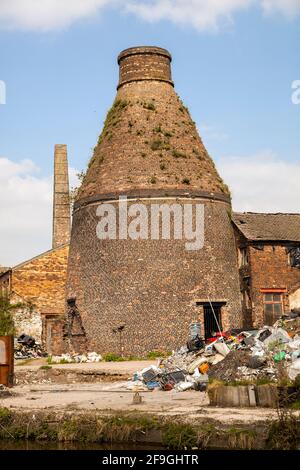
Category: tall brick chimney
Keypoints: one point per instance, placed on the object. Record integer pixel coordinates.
(61, 198)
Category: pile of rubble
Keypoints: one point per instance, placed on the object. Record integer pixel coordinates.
(76, 358)
(231, 356)
(27, 348)
(6, 392)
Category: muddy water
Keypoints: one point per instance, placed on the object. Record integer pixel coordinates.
(33, 445)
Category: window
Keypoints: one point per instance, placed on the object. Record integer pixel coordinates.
(294, 257)
(273, 307)
(243, 257)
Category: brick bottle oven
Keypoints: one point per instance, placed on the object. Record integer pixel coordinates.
(149, 151)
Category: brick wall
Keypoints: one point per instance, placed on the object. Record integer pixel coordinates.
(270, 269)
(150, 285)
(40, 281)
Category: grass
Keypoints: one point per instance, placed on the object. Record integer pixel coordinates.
(111, 357)
(179, 437)
(158, 354)
(45, 367)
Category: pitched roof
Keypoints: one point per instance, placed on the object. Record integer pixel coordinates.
(3, 270)
(268, 227)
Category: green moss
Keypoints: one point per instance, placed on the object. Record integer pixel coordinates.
(156, 145)
(178, 154)
(150, 106)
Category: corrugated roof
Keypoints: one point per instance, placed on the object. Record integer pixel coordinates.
(268, 227)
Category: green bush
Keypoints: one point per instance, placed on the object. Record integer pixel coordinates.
(111, 357)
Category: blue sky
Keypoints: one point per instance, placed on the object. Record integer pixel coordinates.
(233, 66)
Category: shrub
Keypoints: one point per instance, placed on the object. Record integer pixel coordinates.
(111, 357)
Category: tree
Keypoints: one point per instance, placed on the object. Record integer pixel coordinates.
(7, 309)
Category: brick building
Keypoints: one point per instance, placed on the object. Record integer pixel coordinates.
(246, 274)
(150, 151)
(269, 265)
(39, 283)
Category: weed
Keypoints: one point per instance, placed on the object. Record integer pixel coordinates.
(178, 154)
(186, 181)
(111, 357)
(156, 145)
(150, 106)
(179, 437)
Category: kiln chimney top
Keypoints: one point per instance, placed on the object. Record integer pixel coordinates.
(145, 63)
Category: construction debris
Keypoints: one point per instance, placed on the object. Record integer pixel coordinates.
(76, 358)
(27, 348)
(236, 355)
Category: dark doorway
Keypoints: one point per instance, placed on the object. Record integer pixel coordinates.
(210, 322)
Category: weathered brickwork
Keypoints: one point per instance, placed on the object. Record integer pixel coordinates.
(265, 243)
(150, 149)
(149, 141)
(40, 281)
(270, 268)
(61, 198)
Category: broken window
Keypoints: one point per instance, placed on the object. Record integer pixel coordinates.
(294, 255)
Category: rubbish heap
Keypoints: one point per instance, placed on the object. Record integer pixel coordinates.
(234, 355)
(26, 347)
(76, 358)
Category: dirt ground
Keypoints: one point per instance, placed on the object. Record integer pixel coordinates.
(106, 395)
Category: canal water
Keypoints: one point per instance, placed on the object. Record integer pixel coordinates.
(33, 445)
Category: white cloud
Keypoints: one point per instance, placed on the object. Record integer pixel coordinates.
(47, 15)
(25, 210)
(262, 183)
(289, 8)
(202, 14)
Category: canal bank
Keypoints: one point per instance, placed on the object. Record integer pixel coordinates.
(205, 428)
(82, 406)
